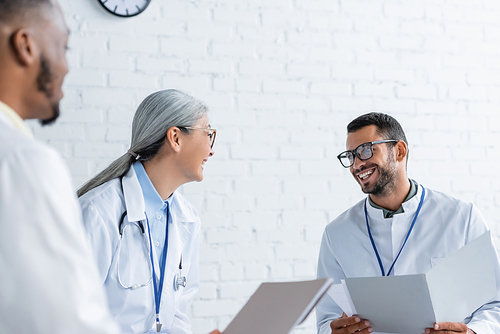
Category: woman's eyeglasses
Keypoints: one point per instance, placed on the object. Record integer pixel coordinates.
(211, 133)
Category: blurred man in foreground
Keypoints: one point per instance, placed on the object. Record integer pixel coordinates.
(49, 280)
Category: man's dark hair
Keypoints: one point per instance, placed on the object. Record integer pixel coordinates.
(387, 126)
(10, 9)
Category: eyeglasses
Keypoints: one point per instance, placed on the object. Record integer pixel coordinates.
(211, 133)
(363, 152)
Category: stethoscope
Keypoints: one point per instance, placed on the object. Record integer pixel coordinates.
(179, 279)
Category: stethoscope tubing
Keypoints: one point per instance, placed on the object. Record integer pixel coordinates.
(179, 280)
(121, 229)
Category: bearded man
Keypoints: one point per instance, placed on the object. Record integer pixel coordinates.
(400, 228)
(49, 282)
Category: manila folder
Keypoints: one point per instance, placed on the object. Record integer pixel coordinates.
(275, 308)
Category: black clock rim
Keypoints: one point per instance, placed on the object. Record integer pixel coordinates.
(124, 16)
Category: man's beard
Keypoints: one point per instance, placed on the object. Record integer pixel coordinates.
(44, 81)
(386, 182)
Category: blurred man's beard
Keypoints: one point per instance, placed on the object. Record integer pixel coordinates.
(44, 81)
(56, 110)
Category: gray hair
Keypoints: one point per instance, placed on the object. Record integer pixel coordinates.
(154, 116)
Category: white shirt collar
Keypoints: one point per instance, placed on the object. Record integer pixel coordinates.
(136, 206)
(409, 207)
(14, 118)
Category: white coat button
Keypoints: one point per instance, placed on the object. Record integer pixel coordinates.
(157, 244)
(158, 216)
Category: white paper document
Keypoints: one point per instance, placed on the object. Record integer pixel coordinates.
(340, 294)
(276, 308)
(408, 304)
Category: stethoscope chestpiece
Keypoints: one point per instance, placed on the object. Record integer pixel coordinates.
(179, 281)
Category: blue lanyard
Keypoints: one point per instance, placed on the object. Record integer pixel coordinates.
(404, 243)
(158, 288)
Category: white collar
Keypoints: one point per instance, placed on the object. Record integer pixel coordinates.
(134, 201)
(14, 119)
(410, 207)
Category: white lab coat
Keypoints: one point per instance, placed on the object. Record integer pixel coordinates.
(49, 281)
(445, 224)
(134, 310)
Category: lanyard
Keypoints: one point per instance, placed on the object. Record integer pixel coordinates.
(404, 243)
(158, 287)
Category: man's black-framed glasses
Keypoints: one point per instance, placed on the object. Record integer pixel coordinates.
(363, 152)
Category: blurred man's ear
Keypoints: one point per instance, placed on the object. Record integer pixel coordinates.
(24, 47)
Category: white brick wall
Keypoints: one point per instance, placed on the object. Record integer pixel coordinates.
(283, 78)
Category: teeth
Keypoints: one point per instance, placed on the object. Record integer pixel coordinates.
(365, 175)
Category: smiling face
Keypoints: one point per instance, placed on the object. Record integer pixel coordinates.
(195, 150)
(377, 175)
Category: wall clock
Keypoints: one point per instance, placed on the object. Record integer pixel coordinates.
(125, 8)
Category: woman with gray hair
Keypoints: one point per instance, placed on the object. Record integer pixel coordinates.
(143, 233)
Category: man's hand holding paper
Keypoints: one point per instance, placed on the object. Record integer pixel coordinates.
(449, 328)
(348, 325)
